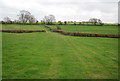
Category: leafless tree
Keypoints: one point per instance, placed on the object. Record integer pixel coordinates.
(49, 19)
(32, 19)
(100, 22)
(95, 21)
(7, 19)
(26, 16)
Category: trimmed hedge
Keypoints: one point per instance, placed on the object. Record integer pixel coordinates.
(82, 34)
(22, 31)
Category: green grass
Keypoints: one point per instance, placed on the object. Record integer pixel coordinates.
(90, 29)
(49, 55)
(22, 27)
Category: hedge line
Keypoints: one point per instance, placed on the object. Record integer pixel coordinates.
(83, 34)
(22, 31)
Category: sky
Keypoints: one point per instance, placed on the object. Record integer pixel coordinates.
(63, 10)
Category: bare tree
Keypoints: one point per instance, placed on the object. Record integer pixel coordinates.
(32, 19)
(95, 21)
(7, 19)
(26, 16)
(46, 20)
(100, 22)
(49, 19)
(52, 18)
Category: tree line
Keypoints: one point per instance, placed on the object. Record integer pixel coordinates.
(25, 17)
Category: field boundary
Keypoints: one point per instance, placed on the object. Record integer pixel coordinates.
(22, 31)
(82, 34)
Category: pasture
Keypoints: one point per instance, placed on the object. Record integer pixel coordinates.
(50, 55)
(22, 27)
(89, 29)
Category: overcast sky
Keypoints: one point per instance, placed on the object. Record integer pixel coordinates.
(64, 10)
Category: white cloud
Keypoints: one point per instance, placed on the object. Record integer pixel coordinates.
(76, 10)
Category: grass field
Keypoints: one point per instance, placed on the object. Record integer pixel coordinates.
(22, 27)
(49, 55)
(90, 29)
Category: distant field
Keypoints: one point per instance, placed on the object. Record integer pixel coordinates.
(90, 29)
(49, 55)
(23, 27)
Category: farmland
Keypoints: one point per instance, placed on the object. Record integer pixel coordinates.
(90, 29)
(22, 27)
(49, 55)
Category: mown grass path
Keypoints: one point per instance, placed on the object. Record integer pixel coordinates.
(55, 56)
